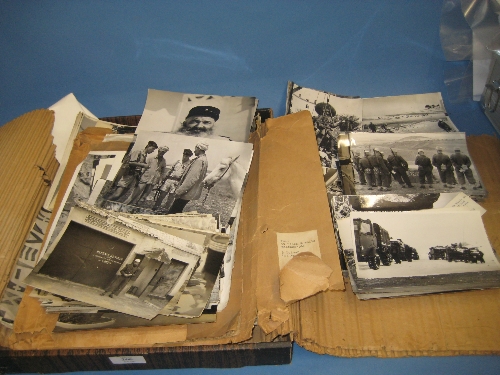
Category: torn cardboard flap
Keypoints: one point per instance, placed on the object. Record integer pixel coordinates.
(303, 276)
(28, 165)
(292, 198)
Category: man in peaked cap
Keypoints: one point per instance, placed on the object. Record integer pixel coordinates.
(121, 280)
(200, 121)
(191, 183)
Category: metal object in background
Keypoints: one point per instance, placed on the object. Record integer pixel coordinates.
(490, 100)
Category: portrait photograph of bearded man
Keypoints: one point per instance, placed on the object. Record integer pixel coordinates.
(199, 115)
(200, 121)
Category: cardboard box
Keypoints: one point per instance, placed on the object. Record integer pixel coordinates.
(337, 323)
(30, 346)
(286, 193)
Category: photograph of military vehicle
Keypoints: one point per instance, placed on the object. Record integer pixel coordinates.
(403, 252)
(437, 252)
(371, 243)
(375, 246)
(457, 252)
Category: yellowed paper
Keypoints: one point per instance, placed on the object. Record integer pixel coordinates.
(463, 200)
(303, 276)
(291, 244)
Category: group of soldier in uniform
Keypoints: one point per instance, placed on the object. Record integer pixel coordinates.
(375, 171)
(182, 182)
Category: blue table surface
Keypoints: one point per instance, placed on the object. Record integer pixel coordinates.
(108, 53)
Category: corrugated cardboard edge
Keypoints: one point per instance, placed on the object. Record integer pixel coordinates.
(291, 198)
(33, 327)
(461, 323)
(28, 165)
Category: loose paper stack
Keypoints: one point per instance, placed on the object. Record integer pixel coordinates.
(147, 236)
(402, 187)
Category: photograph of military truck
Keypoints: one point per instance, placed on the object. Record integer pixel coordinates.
(375, 246)
(457, 252)
(393, 244)
(365, 241)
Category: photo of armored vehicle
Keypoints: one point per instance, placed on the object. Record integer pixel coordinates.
(438, 252)
(456, 252)
(459, 252)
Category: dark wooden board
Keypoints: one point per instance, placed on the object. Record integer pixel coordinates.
(216, 356)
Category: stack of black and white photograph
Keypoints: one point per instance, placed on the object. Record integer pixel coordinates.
(400, 245)
(147, 237)
(336, 117)
(403, 191)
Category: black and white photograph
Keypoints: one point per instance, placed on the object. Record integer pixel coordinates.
(194, 296)
(188, 307)
(170, 174)
(114, 263)
(68, 321)
(216, 250)
(199, 115)
(409, 163)
(416, 252)
(418, 113)
(332, 114)
(88, 179)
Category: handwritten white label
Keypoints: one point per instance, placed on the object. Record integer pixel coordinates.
(123, 360)
(464, 201)
(291, 244)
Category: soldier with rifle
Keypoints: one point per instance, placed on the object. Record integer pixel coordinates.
(171, 181)
(424, 169)
(399, 168)
(355, 162)
(443, 164)
(366, 168)
(134, 165)
(380, 170)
